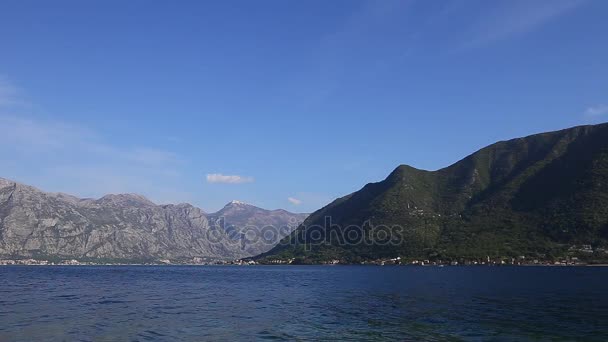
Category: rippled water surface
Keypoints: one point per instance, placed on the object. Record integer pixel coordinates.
(169, 303)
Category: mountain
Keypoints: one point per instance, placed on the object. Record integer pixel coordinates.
(257, 229)
(540, 196)
(38, 224)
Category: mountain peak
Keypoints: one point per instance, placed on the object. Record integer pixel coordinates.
(5, 182)
(235, 202)
(130, 199)
(526, 196)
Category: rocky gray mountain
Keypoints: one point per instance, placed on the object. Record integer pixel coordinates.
(38, 224)
(257, 229)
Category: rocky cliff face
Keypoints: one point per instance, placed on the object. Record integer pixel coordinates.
(128, 226)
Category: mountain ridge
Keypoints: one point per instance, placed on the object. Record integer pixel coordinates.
(492, 202)
(34, 223)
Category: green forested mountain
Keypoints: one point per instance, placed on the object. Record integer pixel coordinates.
(536, 196)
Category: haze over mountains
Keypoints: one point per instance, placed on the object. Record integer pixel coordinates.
(537, 196)
(38, 224)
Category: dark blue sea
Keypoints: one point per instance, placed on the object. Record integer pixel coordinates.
(306, 303)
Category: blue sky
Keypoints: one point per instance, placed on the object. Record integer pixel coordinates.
(282, 104)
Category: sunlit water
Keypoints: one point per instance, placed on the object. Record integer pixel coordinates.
(303, 303)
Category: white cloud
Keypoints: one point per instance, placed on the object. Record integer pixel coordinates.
(596, 111)
(294, 201)
(228, 179)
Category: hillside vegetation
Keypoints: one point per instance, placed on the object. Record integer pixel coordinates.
(538, 196)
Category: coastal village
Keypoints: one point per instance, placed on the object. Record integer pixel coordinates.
(570, 261)
(73, 262)
(521, 261)
(578, 255)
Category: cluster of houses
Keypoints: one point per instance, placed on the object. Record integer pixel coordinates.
(519, 261)
(574, 251)
(241, 262)
(73, 262)
(197, 261)
(587, 249)
(39, 262)
(280, 261)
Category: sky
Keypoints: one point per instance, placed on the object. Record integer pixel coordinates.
(282, 104)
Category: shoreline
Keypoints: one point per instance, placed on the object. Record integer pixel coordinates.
(324, 265)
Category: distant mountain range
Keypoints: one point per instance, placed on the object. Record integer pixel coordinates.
(540, 196)
(37, 224)
(258, 230)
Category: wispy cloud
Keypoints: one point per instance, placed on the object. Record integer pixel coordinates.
(174, 139)
(69, 157)
(357, 33)
(596, 111)
(294, 201)
(228, 179)
(8, 92)
(41, 136)
(510, 18)
(151, 156)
